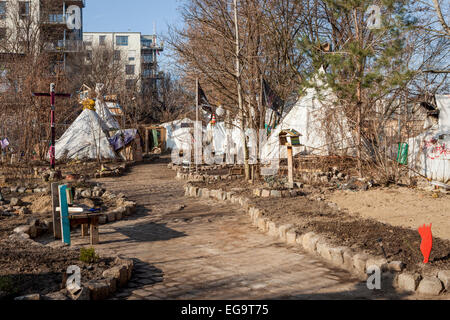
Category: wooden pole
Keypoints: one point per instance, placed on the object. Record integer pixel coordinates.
(196, 119)
(290, 167)
(56, 215)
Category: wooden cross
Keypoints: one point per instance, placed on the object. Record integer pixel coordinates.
(52, 96)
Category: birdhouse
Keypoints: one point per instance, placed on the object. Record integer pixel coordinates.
(289, 137)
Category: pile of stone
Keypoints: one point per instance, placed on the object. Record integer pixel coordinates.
(33, 229)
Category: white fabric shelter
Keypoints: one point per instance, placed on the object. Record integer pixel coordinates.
(85, 139)
(105, 114)
(429, 152)
(178, 137)
(307, 117)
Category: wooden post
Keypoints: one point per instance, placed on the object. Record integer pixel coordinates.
(290, 167)
(84, 230)
(65, 223)
(146, 141)
(94, 232)
(56, 215)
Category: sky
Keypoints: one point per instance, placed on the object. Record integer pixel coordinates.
(133, 16)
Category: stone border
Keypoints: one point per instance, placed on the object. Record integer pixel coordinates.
(354, 262)
(99, 289)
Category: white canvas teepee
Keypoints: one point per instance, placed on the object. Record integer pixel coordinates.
(108, 119)
(307, 117)
(85, 139)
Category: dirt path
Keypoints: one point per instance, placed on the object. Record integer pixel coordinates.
(399, 207)
(197, 249)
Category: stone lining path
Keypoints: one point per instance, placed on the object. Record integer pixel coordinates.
(188, 248)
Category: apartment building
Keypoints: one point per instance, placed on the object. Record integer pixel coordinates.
(139, 52)
(44, 25)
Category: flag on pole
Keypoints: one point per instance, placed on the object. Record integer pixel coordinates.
(203, 101)
(271, 99)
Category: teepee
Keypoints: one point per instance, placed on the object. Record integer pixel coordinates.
(107, 117)
(87, 137)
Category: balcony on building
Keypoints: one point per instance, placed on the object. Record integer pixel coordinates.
(63, 46)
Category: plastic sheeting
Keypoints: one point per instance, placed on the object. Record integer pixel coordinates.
(85, 139)
(429, 153)
(105, 114)
(122, 138)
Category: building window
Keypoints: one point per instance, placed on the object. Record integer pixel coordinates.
(129, 69)
(148, 58)
(102, 40)
(88, 40)
(131, 55)
(117, 55)
(122, 40)
(24, 8)
(2, 9)
(146, 42)
(129, 83)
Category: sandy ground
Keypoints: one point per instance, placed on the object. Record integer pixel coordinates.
(399, 207)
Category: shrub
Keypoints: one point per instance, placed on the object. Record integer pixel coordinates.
(88, 255)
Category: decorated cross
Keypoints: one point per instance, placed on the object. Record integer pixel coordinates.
(52, 96)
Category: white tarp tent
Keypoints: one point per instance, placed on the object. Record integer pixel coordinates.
(307, 117)
(429, 152)
(179, 134)
(105, 114)
(85, 139)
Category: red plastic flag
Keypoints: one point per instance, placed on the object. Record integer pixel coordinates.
(427, 241)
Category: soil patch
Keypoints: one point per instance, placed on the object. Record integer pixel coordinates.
(27, 267)
(311, 213)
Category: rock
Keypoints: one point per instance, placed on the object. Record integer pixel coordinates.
(111, 216)
(99, 289)
(323, 249)
(128, 263)
(408, 281)
(360, 261)
(337, 255)
(59, 296)
(35, 296)
(19, 236)
(430, 286)
(379, 262)
(257, 192)
(15, 202)
(283, 229)
(23, 229)
(309, 242)
(444, 276)
(272, 228)
(21, 190)
(120, 273)
(396, 266)
(23, 211)
(262, 224)
(14, 189)
(86, 193)
(275, 193)
(102, 219)
(82, 295)
(291, 237)
(265, 193)
(348, 259)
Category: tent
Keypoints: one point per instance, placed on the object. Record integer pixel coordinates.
(86, 138)
(179, 134)
(105, 114)
(307, 117)
(429, 152)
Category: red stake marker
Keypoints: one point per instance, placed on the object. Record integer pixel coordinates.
(427, 241)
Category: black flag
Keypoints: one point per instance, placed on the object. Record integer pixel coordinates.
(271, 99)
(203, 101)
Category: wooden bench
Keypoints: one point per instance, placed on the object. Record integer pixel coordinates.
(89, 225)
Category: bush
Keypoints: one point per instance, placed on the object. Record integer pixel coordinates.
(88, 255)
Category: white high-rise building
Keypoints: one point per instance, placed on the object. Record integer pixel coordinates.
(140, 53)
